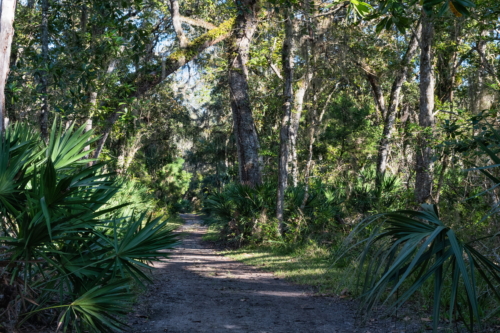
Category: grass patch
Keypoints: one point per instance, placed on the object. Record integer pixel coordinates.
(212, 235)
(307, 265)
(175, 221)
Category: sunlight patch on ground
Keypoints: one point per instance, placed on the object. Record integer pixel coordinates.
(309, 268)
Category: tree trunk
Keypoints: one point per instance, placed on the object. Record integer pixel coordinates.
(89, 122)
(7, 14)
(288, 55)
(106, 131)
(298, 106)
(44, 112)
(447, 64)
(247, 142)
(482, 100)
(425, 165)
(401, 75)
(313, 129)
(378, 94)
(444, 166)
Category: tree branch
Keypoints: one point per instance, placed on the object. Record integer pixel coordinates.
(173, 62)
(176, 22)
(197, 22)
(181, 57)
(275, 70)
(335, 10)
(487, 64)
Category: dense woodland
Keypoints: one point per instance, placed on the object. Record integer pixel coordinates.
(286, 122)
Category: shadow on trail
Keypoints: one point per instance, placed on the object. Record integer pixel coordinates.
(197, 290)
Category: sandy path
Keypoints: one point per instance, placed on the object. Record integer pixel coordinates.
(197, 290)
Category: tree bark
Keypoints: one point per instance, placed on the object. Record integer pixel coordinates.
(390, 119)
(89, 122)
(298, 106)
(310, 42)
(482, 100)
(44, 112)
(425, 164)
(288, 55)
(447, 64)
(247, 142)
(378, 94)
(7, 14)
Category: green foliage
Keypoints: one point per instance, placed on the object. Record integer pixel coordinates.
(137, 196)
(172, 182)
(246, 214)
(369, 192)
(65, 246)
(410, 247)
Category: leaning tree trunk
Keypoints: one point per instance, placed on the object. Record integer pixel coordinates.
(425, 165)
(288, 55)
(7, 13)
(402, 73)
(44, 111)
(247, 142)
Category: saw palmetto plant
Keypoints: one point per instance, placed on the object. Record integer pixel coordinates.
(409, 248)
(67, 255)
(407, 251)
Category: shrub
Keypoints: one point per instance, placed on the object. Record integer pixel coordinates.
(407, 249)
(246, 214)
(67, 252)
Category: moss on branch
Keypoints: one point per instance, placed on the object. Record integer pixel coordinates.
(211, 37)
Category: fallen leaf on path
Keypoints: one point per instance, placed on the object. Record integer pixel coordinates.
(426, 319)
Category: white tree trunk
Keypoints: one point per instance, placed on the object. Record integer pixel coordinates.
(7, 13)
(298, 106)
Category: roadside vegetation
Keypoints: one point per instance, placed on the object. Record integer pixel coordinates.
(73, 248)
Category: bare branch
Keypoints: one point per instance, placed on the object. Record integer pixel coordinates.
(275, 70)
(197, 22)
(176, 22)
(335, 10)
(172, 63)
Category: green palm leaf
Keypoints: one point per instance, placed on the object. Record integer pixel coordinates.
(410, 247)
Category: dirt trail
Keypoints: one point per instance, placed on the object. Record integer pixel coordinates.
(197, 290)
